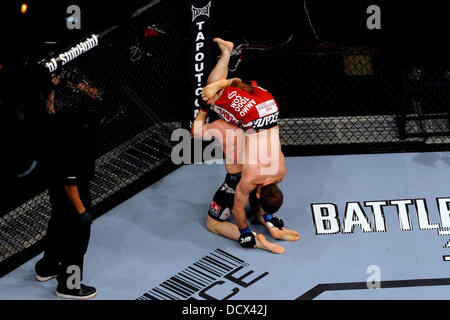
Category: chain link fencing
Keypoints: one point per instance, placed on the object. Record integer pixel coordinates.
(339, 87)
(125, 76)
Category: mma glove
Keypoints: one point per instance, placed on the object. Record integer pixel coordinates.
(204, 106)
(247, 238)
(272, 221)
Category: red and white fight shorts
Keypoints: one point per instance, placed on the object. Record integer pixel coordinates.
(257, 111)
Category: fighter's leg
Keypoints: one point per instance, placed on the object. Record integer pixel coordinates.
(280, 234)
(219, 210)
(220, 70)
(223, 228)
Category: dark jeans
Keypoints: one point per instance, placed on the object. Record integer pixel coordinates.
(67, 237)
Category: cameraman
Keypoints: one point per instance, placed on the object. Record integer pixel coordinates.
(74, 108)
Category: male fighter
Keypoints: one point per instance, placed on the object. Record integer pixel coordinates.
(253, 109)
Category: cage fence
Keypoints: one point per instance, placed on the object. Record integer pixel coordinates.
(334, 80)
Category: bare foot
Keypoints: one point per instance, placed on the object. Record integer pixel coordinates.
(262, 243)
(224, 46)
(284, 234)
(210, 90)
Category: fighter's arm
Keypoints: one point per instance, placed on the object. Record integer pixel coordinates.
(241, 197)
(247, 238)
(74, 198)
(275, 225)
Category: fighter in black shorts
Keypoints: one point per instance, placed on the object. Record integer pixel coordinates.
(264, 202)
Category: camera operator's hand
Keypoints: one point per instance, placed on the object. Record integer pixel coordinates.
(71, 75)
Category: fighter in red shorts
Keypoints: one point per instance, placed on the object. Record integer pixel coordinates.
(244, 106)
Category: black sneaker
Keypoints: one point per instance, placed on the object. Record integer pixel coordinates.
(84, 293)
(45, 271)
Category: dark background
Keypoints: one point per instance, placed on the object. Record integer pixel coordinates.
(413, 31)
(305, 76)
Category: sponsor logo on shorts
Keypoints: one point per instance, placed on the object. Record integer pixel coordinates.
(214, 209)
(231, 94)
(225, 187)
(266, 122)
(226, 115)
(241, 105)
(226, 213)
(266, 108)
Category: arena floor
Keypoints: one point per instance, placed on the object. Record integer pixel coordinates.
(156, 246)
